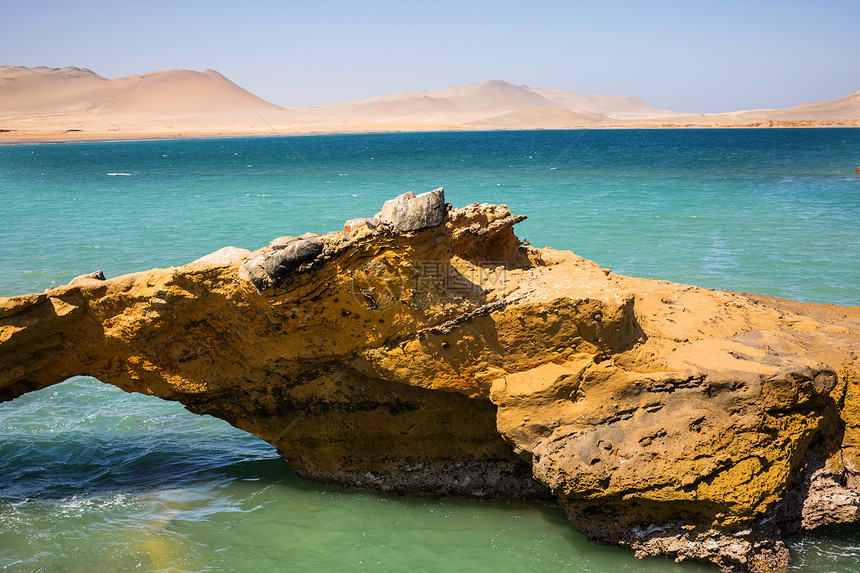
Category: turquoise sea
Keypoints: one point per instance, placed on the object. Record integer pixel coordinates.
(93, 479)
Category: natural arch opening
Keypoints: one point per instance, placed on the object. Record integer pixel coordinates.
(93, 477)
(85, 436)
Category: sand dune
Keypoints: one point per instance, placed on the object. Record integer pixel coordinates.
(495, 97)
(62, 103)
(43, 91)
(609, 105)
(542, 118)
(459, 103)
(846, 107)
(50, 91)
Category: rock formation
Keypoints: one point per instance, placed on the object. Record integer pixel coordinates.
(430, 350)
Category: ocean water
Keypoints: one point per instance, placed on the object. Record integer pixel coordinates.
(92, 478)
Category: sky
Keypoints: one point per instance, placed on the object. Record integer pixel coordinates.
(704, 56)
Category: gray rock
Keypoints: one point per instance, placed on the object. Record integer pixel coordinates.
(224, 256)
(255, 271)
(282, 262)
(353, 225)
(410, 213)
(95, 275)
(281, 242)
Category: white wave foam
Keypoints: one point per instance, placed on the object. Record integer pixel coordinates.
(123, 174)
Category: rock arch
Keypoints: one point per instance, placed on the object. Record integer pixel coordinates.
(445, 356)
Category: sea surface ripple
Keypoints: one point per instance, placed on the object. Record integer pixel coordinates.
(94, 479)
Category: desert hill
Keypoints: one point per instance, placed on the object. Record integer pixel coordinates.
(541, 118)
(608, 105)
(459, 102)
(47, 91)
(58, 103)
(846, 107)
(492, 98)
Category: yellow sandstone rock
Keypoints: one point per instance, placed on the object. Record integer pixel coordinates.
(454, 359)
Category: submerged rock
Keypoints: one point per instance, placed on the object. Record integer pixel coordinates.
(447, 356)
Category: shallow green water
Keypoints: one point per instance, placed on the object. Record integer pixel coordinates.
(95, 479)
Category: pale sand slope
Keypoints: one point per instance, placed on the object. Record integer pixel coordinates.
(473, 102)
(846, 107)
(50, 101)
(619, 107)
(62, 103)
(542, 118)
(44, 91)
(841, 111)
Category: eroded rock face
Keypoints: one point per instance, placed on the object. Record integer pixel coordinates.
(429, 353)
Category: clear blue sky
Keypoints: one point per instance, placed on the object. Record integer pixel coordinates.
(697, 56)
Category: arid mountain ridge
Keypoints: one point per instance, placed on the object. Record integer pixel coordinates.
(47, 102)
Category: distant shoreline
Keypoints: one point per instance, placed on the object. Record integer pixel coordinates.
(54, 105)
(11, 138)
